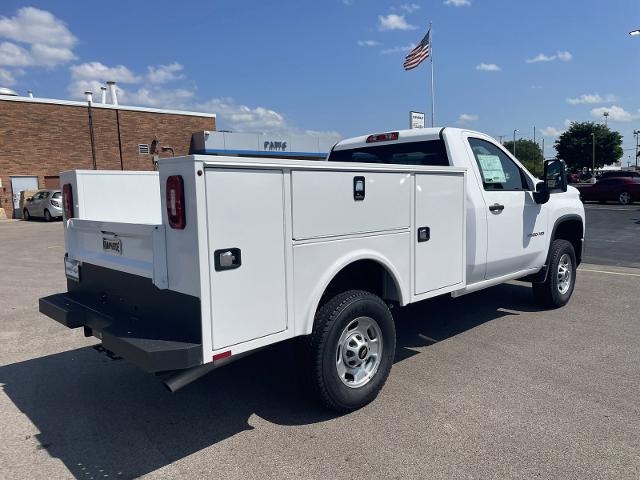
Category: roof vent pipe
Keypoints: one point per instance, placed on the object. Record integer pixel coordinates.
(29, 94)
(88, 96)
(103, 94)
(112, 92)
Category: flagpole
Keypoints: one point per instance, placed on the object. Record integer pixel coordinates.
(433, 105)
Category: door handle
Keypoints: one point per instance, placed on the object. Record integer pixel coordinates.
(496, 207)
(227, 259)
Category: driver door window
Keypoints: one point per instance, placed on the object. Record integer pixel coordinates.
(498, 171)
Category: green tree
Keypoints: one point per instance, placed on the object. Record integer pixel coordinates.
(575, 145)
(529, 154)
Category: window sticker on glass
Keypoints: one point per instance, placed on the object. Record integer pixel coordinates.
(492, 171)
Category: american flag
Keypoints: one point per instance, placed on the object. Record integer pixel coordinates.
(416, 56)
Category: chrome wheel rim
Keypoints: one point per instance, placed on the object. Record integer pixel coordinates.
(359, 352)
(564, 274)
(625, 198)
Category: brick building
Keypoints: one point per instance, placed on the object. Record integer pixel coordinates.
(39, 138)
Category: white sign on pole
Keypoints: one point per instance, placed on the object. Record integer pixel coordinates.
(416, 119)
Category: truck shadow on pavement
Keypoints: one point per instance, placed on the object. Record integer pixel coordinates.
(104, 418)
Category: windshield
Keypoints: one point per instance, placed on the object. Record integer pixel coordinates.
(432, 152)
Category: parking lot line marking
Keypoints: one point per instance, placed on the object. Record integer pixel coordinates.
(611, 273)
(610, 209)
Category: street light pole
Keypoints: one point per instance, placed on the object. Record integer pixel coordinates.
(514, 141)
(593, 146)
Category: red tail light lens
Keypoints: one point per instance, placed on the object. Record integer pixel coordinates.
(67, 200)
(175, 202)
(383, 137)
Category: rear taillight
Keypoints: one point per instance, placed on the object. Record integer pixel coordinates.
(175, 202)
(55, 203)
(67, 200)
(383, 137)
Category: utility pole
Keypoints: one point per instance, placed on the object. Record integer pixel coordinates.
(514, 141)
(542, 149)
(534, 134)
(636, 133)
(500, 138)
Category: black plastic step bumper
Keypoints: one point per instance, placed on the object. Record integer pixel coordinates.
(140, 342)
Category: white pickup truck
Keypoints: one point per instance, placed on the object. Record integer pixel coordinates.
(186, 269)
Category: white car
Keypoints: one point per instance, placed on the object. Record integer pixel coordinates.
(236, 253)
(45, 204)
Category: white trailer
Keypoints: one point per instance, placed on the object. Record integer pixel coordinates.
(184, 270)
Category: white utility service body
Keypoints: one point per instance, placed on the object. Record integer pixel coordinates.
(262, 241)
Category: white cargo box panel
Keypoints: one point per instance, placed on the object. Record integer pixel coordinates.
(440, 231)
(326, 204)
(115, 196)
(246, 232)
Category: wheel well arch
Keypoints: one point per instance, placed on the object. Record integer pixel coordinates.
(570, 228)
(365, 271)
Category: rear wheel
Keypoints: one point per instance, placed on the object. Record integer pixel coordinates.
(25, 215)
(625, 198)
(556, 290)
(351, 350)
(47, 215)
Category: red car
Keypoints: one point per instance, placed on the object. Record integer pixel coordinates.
(621, 190)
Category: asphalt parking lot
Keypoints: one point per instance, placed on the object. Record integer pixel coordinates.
(613, 234)
(484, 386)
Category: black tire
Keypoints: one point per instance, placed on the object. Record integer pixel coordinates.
(331, 321)
(625, 198)
(47, 215)
(25, 215)
(549, 293)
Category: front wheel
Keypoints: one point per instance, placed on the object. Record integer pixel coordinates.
(25, 215)
(556, 290)
(624, 198)
(351, 350)
(47, 215)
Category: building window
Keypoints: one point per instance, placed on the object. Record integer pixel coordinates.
(143, 149)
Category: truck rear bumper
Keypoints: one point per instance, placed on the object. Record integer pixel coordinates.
(138, 341)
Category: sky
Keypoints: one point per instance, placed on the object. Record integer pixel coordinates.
(334, 67)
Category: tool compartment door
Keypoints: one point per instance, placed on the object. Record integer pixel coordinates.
(439, 231)
(245, 222)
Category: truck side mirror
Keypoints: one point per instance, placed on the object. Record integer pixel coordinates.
(555, 175)
(541, 195)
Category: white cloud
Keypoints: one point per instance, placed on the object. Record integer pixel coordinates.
(42, 40)
(458, 3)
(550, 132)
(488, 67)
(35, 26)
(563, 56)
(368, 43)
(165, 73)
(410, 7)
(393, 22)
(12, 55)
(467, 117)
(397, 49)
(616, 114)
(99, 71)
(568, 122)
(7, 77)
(592, 98)
(151, 90)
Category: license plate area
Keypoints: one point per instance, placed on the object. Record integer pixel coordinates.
(112, 245)
(72, 269)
